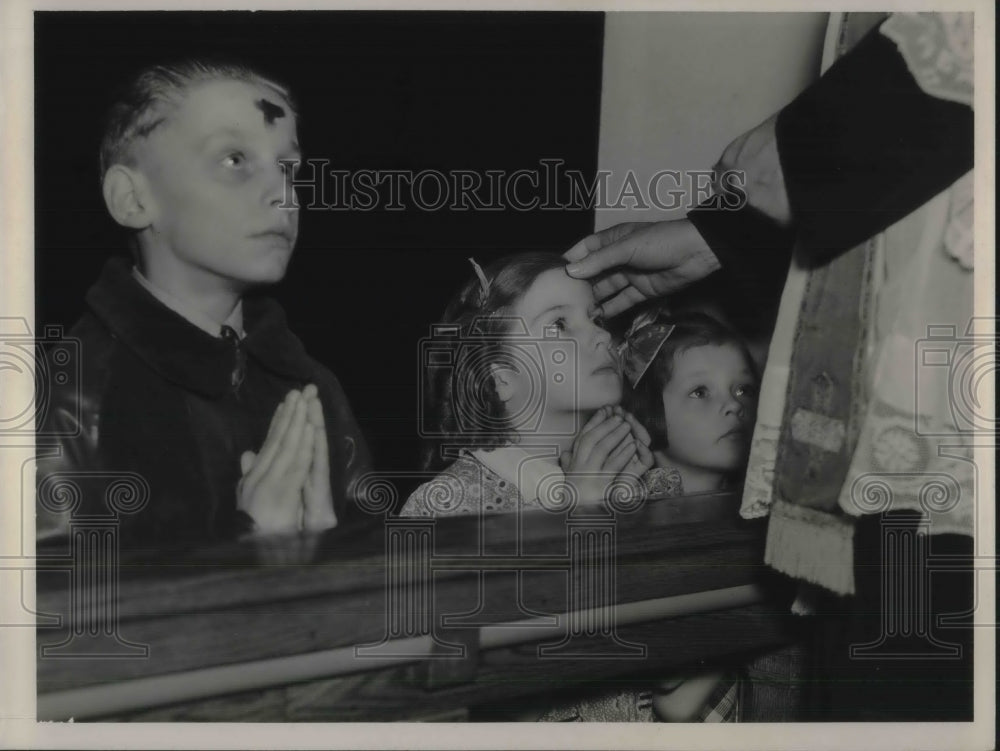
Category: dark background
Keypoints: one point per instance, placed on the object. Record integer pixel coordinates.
(386, 90)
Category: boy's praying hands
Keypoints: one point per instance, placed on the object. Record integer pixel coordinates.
(286, 486)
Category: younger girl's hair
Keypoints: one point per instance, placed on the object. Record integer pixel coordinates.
(462, 407)
(691, 329)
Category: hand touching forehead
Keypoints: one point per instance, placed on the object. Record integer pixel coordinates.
(554, 293)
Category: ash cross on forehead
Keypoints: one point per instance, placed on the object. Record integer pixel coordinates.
(271, 111)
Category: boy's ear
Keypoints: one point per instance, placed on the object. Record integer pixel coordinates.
(127, 197)
(503, 381)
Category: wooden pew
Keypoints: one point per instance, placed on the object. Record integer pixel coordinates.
(270, 631)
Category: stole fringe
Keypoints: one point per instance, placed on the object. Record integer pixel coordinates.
(813, 545)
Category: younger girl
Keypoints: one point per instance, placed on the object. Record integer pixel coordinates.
(694, 385)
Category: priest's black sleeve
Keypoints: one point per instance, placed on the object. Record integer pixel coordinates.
(860, 149)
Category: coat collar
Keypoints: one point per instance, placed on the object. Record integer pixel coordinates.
(180, 351)
(189, 312)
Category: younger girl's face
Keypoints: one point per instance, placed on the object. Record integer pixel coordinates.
(571, 350)
(710, 406)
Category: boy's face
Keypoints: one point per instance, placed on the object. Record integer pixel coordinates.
(583, 377)
(710, 406)
(217, 186)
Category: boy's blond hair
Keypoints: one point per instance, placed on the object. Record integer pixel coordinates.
(145, 101)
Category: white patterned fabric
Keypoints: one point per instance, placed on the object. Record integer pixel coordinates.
(914, 448)
(915, 444)
(958, 233)
(926, 359)
(663, 482)
(466, 486)
(937, 48)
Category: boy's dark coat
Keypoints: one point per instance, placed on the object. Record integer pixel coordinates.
(156, 399)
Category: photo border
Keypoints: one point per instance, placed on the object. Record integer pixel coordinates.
(17, 648)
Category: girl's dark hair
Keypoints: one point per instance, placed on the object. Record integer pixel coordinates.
(461, 406)
(693, 329)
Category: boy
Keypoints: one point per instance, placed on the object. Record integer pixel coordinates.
(203, 393)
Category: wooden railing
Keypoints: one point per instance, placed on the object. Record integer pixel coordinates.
(333, 627)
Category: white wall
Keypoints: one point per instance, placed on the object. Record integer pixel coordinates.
(678, 87)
